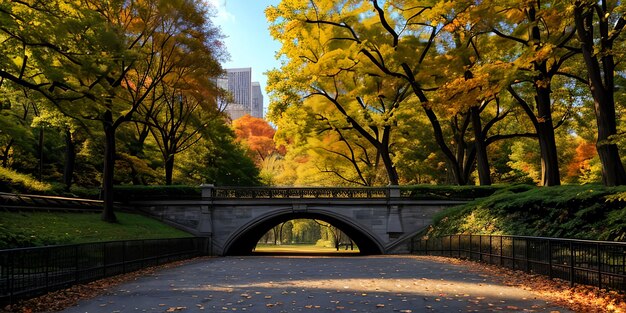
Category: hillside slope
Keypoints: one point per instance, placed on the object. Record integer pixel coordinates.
(584, 212)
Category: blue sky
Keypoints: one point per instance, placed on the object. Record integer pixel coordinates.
(247, 38)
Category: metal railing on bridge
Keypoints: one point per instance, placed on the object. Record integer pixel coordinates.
(299, 192)
(28, 272)
(596, 263)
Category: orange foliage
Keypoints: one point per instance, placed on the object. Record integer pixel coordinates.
(584, 153)
(258, 136)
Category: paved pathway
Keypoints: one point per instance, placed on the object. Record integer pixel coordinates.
(322, 284)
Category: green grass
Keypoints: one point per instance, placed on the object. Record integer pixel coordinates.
(302, 248)
(26, 229)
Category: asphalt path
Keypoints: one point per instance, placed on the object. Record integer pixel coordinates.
(317, 284)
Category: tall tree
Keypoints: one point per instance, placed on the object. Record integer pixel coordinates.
(374, 33)
(362, 99)
(539, 41)
(176, 123)
(599, 25)
(165, 36)
(16, 113)
(109, 54)
(396, 40)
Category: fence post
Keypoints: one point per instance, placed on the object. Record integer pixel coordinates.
(490, 249)
(11, 277)
(480, 248)
(599, 265)
(513, 251)
(501, 252)
(48, 257)
(470, 246)
(527, 253)
(211, 245)
(123, 256)
(76, 274)
(571, 264)
(550, 259)
(104, 259)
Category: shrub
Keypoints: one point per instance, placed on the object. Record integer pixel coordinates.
(435, 192)
(137, 193)
(14, 182)
(584, 212)
(324, 243)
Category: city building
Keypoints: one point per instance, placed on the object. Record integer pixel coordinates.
(257, 100)
(246, 95)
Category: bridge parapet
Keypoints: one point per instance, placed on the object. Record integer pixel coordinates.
(210, 191)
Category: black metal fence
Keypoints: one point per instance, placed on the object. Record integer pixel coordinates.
(596, 263)
(20, 202)
(28, 272)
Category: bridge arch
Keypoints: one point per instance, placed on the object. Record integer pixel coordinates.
(242, 241)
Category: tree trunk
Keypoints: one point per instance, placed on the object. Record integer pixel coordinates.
(465, 156)
(70, 160)
(136, 149)
(545, 130)
(5, 154)
(281, 232)
(108, 214)
(482, 162)
(451, 160)
(392, 173)
(134, 176)
(613, 173)
(169, 169)
(41, 152)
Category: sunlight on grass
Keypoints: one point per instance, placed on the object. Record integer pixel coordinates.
(36, 229)
(302, 248)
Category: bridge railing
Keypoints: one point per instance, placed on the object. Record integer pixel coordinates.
(300, 192)
(28, 272)
(596, 263)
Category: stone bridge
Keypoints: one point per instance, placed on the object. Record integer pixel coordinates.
(378, 220)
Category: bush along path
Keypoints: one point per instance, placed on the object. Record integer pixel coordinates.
(589, 212)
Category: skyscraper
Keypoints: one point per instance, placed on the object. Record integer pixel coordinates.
(246, 95)
(257, 100)
(240, 85)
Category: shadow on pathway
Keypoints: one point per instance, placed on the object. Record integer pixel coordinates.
(316, 284)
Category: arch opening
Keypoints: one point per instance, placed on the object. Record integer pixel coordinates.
(305, 236)
(245, 242)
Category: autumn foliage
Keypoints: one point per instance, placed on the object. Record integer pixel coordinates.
(585, 151)
(258, 136)
(455, 83)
